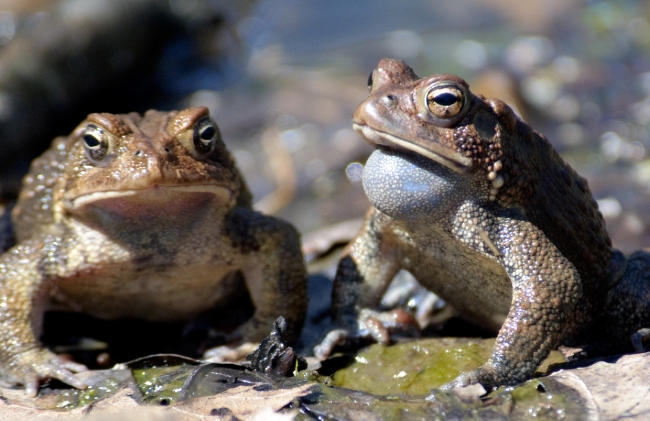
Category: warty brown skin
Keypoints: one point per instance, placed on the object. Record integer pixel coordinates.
(482, 211)
(139, 217)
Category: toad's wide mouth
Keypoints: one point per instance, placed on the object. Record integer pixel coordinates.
(433, 151)
(157, 199)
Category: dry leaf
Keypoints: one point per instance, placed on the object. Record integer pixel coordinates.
(120, 403)
(616, 389)
(241, 402)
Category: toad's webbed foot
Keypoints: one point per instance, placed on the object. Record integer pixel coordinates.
(373, 326)
(31, 367)
(491, 376)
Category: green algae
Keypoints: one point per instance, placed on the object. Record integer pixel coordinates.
(162, 385)
(412, 368)
(392, 383)
(416, 367)
(332, 403)
(400, 374)
(542, 399)
(75, 398)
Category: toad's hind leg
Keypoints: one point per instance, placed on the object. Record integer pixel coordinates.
(625, 325)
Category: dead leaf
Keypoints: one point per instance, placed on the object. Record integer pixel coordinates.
(241, 402)
(617, 388)
(118, 404)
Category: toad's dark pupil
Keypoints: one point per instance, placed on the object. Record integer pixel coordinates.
(91, 141)
(370, 79)
(208, 133)
(446, 99)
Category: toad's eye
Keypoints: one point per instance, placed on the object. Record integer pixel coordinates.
(206, 135)
(445, 101)
(95, 143)
(370, 79)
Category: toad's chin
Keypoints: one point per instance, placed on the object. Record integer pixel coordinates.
(411, 187)
(153, 202)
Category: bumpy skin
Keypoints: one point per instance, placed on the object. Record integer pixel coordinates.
(484, 212)
(139, 217)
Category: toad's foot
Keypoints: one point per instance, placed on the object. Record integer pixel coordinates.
(32, 367)
(370, 326)
(487, 376)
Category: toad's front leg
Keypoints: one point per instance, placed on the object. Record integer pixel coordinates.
(546, 290)
(367, 266)
(275, 275)
(23, 294)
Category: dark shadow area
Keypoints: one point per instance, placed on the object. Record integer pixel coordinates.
(125, 340)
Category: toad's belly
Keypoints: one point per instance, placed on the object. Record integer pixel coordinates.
(154, 295)
(475, 285)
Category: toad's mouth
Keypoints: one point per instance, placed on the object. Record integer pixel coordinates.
(170, 200)
(450, 159)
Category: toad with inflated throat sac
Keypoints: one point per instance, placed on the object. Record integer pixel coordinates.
(483, 211)
(140, 217)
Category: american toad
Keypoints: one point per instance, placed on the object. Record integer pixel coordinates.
(142, 217)
(483, 211)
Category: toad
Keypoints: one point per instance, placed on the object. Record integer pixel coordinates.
(140, 217)
(484, 212)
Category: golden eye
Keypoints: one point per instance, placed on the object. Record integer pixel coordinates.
(206, 135)
(95, 143)
(445, 101)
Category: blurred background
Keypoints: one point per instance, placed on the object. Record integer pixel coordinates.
(282, 78)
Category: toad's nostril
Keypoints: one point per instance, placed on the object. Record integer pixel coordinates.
(137, 153)
(167, 150)
(390, 100)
